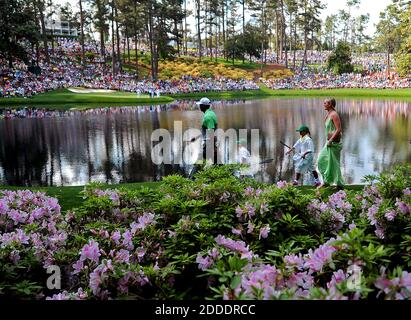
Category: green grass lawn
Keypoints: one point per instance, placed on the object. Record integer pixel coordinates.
(70, 197)
(264, 92)
(65, 99)
(349, 93)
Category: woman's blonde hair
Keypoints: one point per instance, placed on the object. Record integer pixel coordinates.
(332, 101)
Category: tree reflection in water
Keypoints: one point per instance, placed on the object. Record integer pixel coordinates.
(113, 145)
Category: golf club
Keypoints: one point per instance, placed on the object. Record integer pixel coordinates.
(285, 145)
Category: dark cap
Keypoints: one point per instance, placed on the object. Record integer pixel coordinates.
(303, 128)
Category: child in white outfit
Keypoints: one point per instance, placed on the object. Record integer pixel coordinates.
(304, 156)
(244, 157)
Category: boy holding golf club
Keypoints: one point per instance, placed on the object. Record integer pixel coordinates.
(304, 156)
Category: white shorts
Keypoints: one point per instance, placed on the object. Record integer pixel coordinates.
(304, 165)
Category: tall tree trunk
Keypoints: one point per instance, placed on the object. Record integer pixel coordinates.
(283, 34)
(211, 37)
(113, 45)
(128, 49)
(136, 49)
(243, 3)
(136, 36)
(153, 45)
(117, 35)
(176, 33)
(198, 9)
(295, 40)
(291, 32)
(388, 62)
(305, 35)
(83, 54)
(206, 25)
(52, 39)
(40, 8)
(277, 41)
(37, 54)
(101, 31)
(102, 48)
(185, 28)
(223, 12)
(218, 38)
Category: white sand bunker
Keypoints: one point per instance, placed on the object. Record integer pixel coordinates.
(85, 90)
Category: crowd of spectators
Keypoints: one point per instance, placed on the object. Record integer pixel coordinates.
(65, 71)
(310, 80)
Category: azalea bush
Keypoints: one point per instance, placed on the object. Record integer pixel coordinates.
(180, 67)
(214, 236)
(32, 233)
(277, 74)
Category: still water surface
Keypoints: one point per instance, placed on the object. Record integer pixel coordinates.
(113, 145)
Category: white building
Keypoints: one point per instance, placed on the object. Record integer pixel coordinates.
(61, 28)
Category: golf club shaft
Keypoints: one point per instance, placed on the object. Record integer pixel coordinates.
(285, 145)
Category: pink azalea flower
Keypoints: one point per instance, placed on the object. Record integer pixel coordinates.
(239, 212)
(237, 246)
(140, 253)
(95, 281)
(204, 263)
(380, 233)
(402, 206)
(282, 184)
(264, 231)
(250, 227)
(15, 256)
(90, 251)
(78, 266)
(249, 191)
(60, 296)
(293, 260)
(318, 258)
(171, 234)
(128, 240)
(250, 210)
(390, 215)
(236, 231)
(263, 208)
(116, 236)
(214, 254)
(122, 256)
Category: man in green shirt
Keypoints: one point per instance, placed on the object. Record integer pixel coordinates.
(208, 126)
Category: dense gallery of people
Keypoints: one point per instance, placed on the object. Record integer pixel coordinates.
(65, 71)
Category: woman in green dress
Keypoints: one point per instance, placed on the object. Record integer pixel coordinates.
(329, 158)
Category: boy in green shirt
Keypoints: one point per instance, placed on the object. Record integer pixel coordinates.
(210, 122)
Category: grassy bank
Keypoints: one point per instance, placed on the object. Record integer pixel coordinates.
(264, 92)
(65, 99)
(70, 197)
(345, 93)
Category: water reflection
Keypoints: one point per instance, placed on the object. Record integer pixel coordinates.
(113, 144)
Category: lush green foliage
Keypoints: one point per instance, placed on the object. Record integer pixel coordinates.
(212, 237)
(339, 60)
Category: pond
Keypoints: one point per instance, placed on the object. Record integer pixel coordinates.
(113, 145)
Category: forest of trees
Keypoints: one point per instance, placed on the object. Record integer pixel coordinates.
(235, 28)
